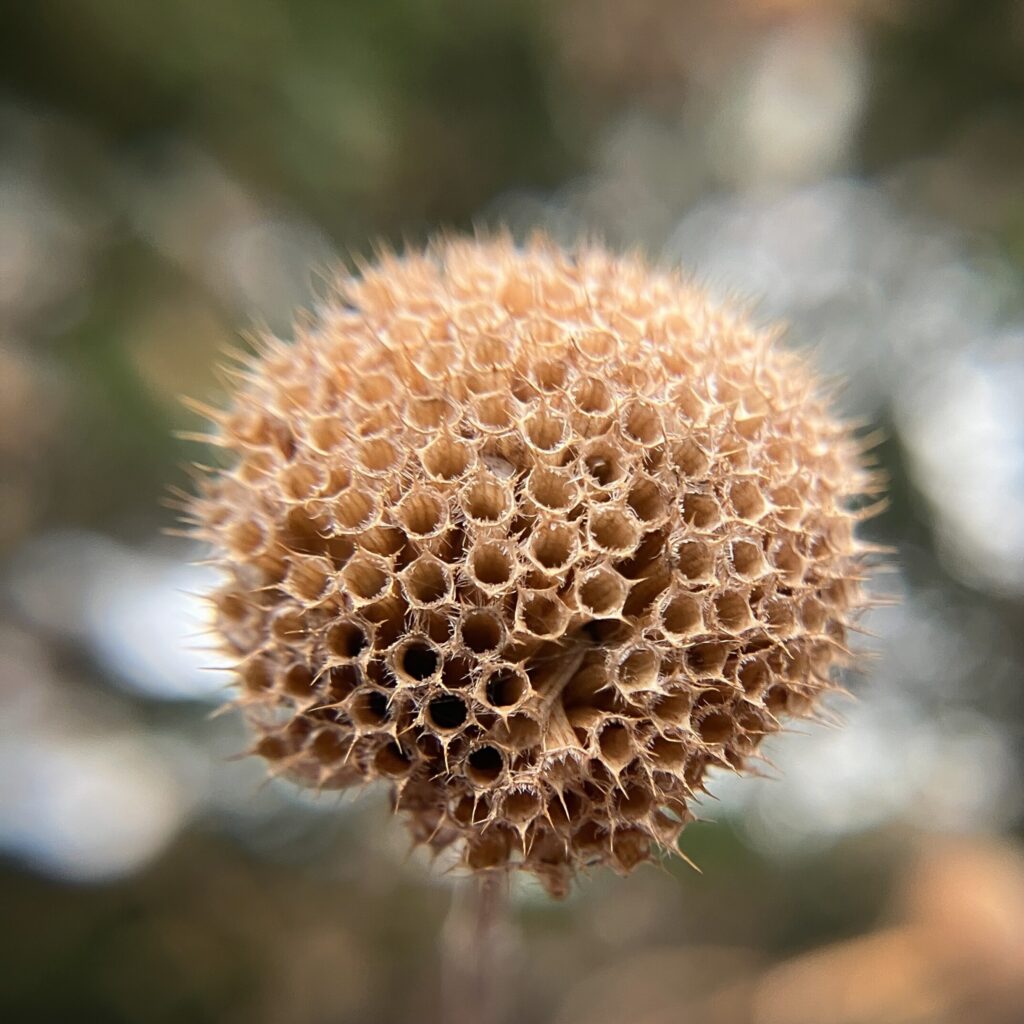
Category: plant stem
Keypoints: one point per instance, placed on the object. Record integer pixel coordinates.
(476, 952)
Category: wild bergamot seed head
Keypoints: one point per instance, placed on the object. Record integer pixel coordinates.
(537, 537)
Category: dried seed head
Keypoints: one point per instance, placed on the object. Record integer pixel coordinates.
(536, 537)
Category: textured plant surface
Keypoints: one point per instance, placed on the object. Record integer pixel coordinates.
(536, 537)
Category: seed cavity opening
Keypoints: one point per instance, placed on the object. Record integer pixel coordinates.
(485, 765)
(447, 712)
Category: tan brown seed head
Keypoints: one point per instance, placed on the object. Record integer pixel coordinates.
(536, 537)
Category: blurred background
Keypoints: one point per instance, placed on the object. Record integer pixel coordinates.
(176, 172)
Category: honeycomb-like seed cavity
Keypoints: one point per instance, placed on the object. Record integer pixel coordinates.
(601, 593)
(613, 531)
(366, 579)
(487, 501)
(505, 687)
(345, 640)
(536, 538)
(415, 660)
(484, 766)
(492, 566)
(422, 515)
(447, 712)
(481, 632)
(639, 669)
(553, 546)
(541, 614)
(427, 582)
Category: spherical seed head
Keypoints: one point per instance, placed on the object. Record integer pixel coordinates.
(536, 537)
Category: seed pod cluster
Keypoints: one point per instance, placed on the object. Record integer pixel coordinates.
(536, 537)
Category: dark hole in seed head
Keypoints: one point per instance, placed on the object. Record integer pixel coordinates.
(505, 688)
(370, 708)
(347, 639)
(447, 712)
(419, 661)
(377, 702)
(485, 764)
(481, 632)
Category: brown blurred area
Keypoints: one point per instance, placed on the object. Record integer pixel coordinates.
(175, 177)
(950, 948)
